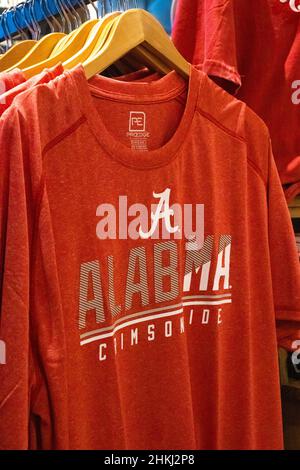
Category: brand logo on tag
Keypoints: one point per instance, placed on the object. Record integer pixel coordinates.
(137, 121)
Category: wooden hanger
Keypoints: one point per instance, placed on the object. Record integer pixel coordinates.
(40, 51)
(15, 54)
(130, 30)
(62, 43)
(73, 46)
(75, 35)
(133, 62)
(294, 207)
(144, 56)
(123, 67)
(97, 36)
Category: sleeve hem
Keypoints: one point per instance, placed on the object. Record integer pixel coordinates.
(222, 70)
(293, 314)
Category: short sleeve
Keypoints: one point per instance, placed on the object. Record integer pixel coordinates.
(284, 262)
(211, 39)
(18, 191)
(14, 287)
(31, 396)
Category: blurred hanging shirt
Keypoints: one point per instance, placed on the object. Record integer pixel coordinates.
(161, 9)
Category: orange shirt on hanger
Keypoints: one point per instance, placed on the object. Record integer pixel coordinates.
(253, 49)
(9, 80)
(7, 98)
(135, 335)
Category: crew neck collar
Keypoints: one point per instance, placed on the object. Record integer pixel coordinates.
(164, 89)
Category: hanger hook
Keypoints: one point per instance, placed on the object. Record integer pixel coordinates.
(17, 8)
(65, 15)
(45, 15)
(69, 15)
(27, 18)
(13, 18)
(8, 37)
(2, 46)
(31, 19)
(9, 10)
(75, 14)
(61, 16)
(110, 6)
(19, 28)
(94, 7)
(25, 6)
(65, 11)
(85, 9)
(38, 31)
(102, 8)
(4, 30)
(52, 16)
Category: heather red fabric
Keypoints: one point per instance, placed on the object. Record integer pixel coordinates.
(141, 343)
(234, 42)
(9, 80)
(7, 98)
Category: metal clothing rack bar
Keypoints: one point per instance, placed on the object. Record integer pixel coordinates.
(18, 17)
(40, 8)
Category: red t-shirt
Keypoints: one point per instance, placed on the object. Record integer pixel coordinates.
(9, 80)
(7, 98)
(253, 47)
(142, 342)
(140, 75)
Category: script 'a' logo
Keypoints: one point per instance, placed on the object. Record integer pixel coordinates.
(293, 5)
(163, 212)
(165, 221)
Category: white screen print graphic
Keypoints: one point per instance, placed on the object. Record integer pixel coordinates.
(163, 212)
(164, 287)
(199, 277)
(167, 221)
(296, 93)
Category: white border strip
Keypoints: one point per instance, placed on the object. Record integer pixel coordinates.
(149, 318)
(154, 310)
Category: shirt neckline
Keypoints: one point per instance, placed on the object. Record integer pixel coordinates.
(164, 89)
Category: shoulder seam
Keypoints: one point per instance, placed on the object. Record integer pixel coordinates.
(63, 135)
(257, 170)
(220, 125)
(236, 136)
